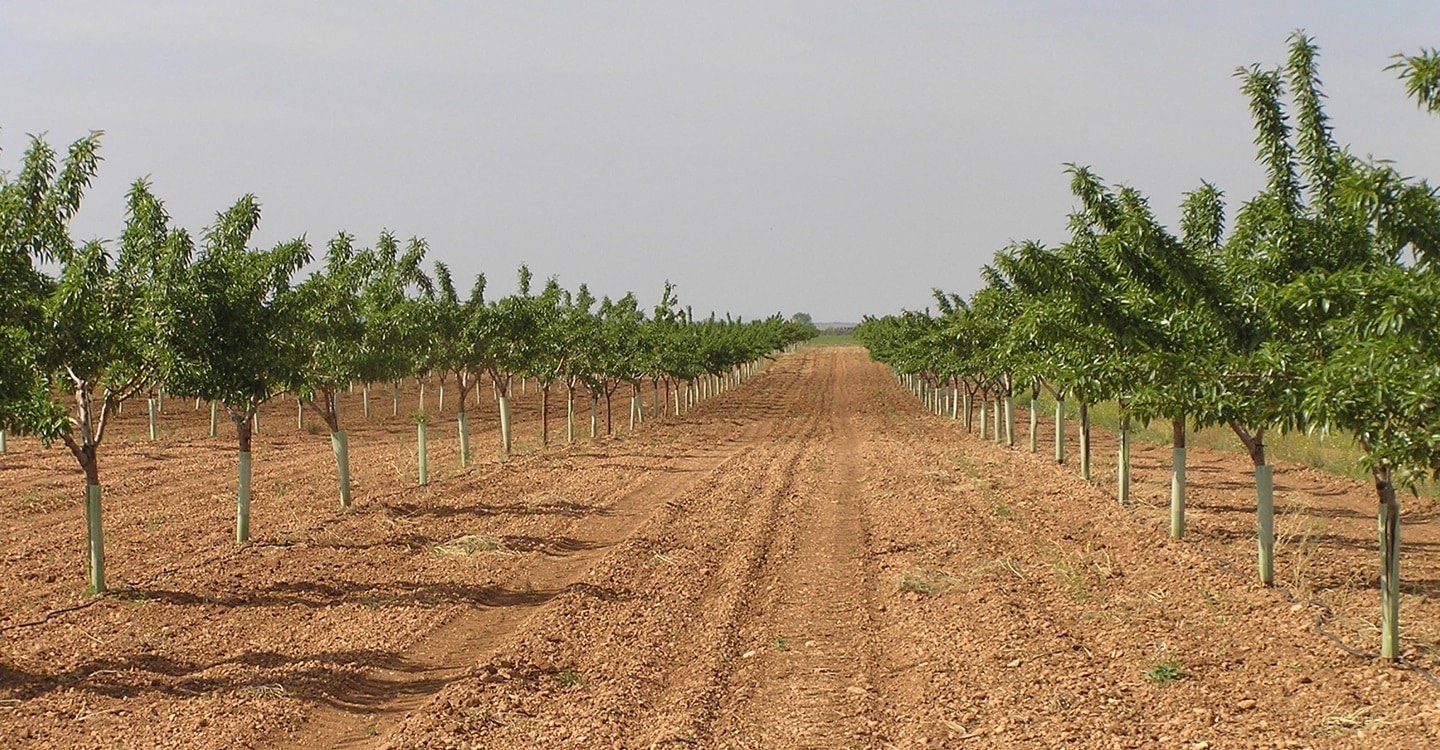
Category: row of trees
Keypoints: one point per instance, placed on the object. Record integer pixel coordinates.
(84, 327)
(1318, 309)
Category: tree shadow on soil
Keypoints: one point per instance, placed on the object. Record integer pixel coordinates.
(388, 593)
(333, 677)
(351, 679)
(564, 508)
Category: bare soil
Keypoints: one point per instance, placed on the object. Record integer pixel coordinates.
(811, 560)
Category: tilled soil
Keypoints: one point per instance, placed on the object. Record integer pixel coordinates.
(808, 561)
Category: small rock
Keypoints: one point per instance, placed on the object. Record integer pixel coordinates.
(748, 654)
(856, 690)
(1013, 663)
(1245, 705)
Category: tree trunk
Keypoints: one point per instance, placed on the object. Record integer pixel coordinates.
(214, 414)
(1010, 421)
(594, 415)
(505, 441)
(422, 451)
(1177, 479)
(1059, 429)
(1084, 441)
(1122, 468)
(1264, 500)
(243, 473)
(395, 399)
(983, 421)
(1389, 517)
(569, 415)
(95, 536)
(340, 444)
(969, 411)
(1265, 507)
(545, 414)
(1034, 423)
(365, 398)
(462, 422)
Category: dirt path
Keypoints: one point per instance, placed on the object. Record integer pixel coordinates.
(811, 561)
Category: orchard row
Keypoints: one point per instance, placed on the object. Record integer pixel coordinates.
(84, 329)
(1318, 309)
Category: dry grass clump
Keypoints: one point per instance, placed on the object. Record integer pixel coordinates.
(471, 544)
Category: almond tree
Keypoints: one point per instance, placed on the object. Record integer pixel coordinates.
(620, 356)
(94, 340)
(232, 331)
(581, 330)
(332, 330)
(508, 333)
(388, 343)
(455, 347)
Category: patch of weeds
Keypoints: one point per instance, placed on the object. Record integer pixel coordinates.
(370, 730)
(781, 644)
(1070, 575)
(1166, 672)
(279, 490)
(1213, 603)
(1003, 510)
(529, 588)
(926, 581)
(153, 523)
(817, 464)
(1061, 702)
(569, 678)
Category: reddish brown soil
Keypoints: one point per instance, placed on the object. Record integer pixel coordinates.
(809, 561)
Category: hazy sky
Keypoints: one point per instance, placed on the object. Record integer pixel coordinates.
(838, 158)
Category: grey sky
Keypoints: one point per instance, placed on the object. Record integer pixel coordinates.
(838, 158)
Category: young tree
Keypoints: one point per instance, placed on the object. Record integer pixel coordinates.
(332, 330)
(232, 330)
(93, 339)
(455, 346)
(507, 332)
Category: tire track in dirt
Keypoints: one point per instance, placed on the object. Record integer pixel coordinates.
(813, 683)
(369, 708)
(694, 703)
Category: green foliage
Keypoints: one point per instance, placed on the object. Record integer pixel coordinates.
(1421, 74)
(1166, 672)
(232, 311)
